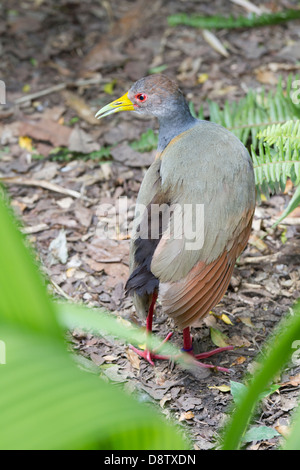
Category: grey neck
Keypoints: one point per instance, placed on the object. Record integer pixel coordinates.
(174, 124)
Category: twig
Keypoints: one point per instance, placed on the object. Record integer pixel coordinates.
(258, 259)
(41, 184)
(249, 6)
(58, 87)
(38, 94)
(59, 290)
(111, 260)
(290, 221)
(34, 229)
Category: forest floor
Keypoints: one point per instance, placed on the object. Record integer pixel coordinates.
(67, 174)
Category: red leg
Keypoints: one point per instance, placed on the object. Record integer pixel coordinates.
(187, 340)
(188, 347)
(147, 354)
(150, 313)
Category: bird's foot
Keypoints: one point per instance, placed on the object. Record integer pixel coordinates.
(192, 358)
(148, 355)
(197, 362)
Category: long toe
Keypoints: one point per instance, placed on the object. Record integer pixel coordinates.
(150, 355)
(214, 351)
(144, 353)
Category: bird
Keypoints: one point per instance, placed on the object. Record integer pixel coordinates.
(193, 213)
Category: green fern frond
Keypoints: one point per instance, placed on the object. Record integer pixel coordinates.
(147, 142)
(257, 110)
(287, 134)
(269, 124)
(229, 22)
(277, 157)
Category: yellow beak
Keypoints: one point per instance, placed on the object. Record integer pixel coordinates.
(122, 104)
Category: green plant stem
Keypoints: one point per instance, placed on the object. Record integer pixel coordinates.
(275, 359)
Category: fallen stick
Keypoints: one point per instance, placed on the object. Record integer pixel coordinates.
(34, 229)
(258, 259)
(41, 184)
(58, 87)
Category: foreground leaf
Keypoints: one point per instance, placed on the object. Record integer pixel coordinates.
(277, 353)
(46, 402)
(260, 433)
(294, 202)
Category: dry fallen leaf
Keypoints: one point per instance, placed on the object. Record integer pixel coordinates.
(58, 250)
(223, 317)
(222, 388)
(186, 415)
(219, 338)
(70, 272)
(107, 51)
(78, 104)
(65, 203)
(283, 430)
(25, 143)
(266, 76)
(214, 42)
(19, 206)
(46, 130)
(288, 187)
(239, 341)
(166, 398)
(81, 141)
(258, 242)
(246, 321)
(110, 358)
(294, 381)
(239, 360)
(202, 77)
(226, 319)
(133, 358)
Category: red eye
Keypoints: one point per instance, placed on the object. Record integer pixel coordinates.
(141, 97)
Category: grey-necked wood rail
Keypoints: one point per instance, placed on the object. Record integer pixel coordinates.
(187, 262)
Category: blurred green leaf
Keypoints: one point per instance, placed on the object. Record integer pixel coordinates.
(219, 338)
(276, 354)
(46, 402)
(158, 69)
(260, 433)
(146, 143)
(109, 87)
(294, 202)
(238, 391)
